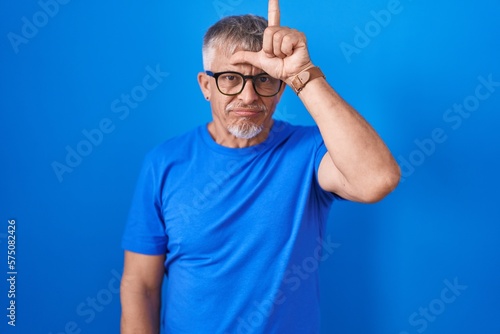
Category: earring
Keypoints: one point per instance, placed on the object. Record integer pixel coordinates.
(207, 98)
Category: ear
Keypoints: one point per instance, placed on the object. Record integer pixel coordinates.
(204, 82)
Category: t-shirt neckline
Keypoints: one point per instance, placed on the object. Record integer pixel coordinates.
(269, 141)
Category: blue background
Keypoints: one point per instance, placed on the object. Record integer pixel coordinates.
(395, 259)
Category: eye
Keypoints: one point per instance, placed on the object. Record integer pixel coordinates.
(264, 79)
(229, 77)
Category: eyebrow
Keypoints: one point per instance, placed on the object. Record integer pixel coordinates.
(224, 71)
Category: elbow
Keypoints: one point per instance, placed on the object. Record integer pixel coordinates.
(381, 185)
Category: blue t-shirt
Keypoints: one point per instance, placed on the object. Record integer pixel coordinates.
(242, 230)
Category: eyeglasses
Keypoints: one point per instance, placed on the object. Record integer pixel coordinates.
(232, 83)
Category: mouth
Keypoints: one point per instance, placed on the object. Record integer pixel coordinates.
(246, 112)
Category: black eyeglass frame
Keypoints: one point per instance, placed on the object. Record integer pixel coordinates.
(245, 78)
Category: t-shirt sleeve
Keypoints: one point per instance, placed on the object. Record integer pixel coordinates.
(145, 228)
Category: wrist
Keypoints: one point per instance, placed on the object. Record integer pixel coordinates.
(300, 80)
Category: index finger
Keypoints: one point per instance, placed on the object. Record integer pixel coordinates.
(273, 15)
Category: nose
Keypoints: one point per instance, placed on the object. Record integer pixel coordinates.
(248, 94)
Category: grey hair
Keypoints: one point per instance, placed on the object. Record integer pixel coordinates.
(232, 32)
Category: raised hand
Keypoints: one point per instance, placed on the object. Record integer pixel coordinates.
(284, 53)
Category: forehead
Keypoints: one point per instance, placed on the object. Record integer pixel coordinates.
(220, 63)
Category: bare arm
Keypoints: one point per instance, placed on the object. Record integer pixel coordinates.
(358, 166)
(140, 293)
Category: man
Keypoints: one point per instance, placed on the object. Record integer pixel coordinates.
(230, 210)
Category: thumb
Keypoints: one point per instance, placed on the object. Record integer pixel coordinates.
(245, 57)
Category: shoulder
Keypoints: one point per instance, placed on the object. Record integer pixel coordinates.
(299, 133)
(178, 150)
